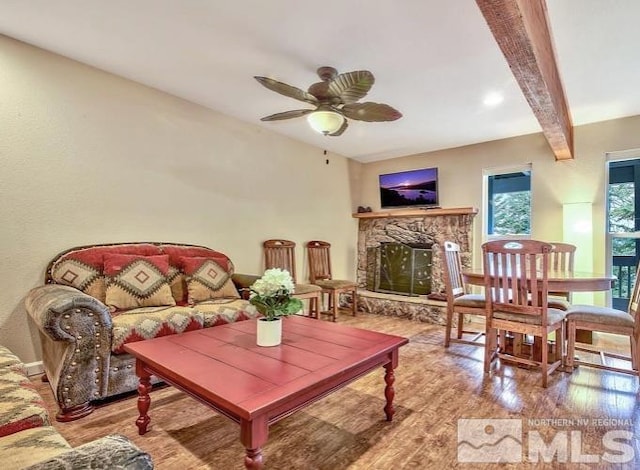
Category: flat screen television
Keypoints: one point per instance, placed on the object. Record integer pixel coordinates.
(413, 188)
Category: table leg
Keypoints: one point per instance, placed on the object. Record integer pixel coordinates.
(389, 392)
(144, 400)
(253, 435)
(254, 460)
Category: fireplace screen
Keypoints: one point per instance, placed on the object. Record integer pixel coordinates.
(399, 268)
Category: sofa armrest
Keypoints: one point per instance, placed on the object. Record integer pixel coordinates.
(76, 332)
(243, 282)
(64, 312)
(110, 452)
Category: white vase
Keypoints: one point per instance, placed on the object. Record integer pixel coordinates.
(269, 333)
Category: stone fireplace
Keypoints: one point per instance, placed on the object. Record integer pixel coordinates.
(405, 231)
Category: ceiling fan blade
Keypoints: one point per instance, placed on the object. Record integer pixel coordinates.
(371, 112)
(343, 128)
(287, 90)
(287, 115)
(351, 86)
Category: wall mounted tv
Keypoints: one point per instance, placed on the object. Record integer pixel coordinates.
(409, 189)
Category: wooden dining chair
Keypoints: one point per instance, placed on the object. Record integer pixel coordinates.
(607, 320)
(562, 256)
(458, 301)
(516, 289)
(561, 259)
(281, 254)
(320, 274)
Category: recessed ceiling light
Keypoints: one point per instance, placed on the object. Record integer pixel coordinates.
(493, 99)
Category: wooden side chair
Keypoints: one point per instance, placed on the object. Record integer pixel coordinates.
(281, 254)
(607, 320)
(516, 288)
(562, 258)
(458, 301)
(320, 274)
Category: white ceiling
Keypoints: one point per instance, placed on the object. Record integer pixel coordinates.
(433, 60)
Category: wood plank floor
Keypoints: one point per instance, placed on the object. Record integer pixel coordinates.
(434, 389)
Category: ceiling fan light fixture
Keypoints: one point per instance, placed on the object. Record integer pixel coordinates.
(335, 100)
(325, 122)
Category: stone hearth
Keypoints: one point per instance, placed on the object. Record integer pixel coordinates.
(418, 308)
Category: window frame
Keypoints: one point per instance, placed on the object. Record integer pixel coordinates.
(488, 172)
(613, 157)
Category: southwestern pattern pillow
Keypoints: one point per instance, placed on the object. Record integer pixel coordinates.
(208, 278)
(137, 281)
(21, 406)
(176, 281)
(82, 270)
(176, 277)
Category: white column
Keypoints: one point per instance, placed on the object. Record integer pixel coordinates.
(578, 230)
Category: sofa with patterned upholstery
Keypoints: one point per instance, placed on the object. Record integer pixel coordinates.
(98, 298)
(27, 439)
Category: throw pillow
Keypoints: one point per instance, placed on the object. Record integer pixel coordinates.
(82, 270)
(208, 278)
(137, 281)
(178, 284)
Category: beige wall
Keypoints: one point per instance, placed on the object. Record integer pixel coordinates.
(553, 183)
(87, 157)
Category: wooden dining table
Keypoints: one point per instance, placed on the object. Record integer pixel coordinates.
(561, 281)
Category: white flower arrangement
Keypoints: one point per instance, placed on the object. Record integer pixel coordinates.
(273, 281)
(271, 294)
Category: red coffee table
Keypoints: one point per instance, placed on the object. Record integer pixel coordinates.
(256, 386)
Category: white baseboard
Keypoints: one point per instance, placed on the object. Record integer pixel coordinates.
(34, 368)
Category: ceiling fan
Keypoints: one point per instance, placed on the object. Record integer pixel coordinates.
(335, 99)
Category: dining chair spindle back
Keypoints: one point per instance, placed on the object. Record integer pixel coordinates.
(516, 288)
(281, 254)
(458, 301)
(562, 259)
(320, 274)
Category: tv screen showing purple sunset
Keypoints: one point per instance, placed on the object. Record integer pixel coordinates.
(409, 188)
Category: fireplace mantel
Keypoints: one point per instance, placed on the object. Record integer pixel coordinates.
(416, 213)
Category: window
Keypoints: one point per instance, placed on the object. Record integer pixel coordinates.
(623, 209)
(508, 203)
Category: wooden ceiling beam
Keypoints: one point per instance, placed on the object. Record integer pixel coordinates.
(521, 29)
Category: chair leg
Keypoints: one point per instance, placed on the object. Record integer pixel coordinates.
(545, 358)
(459, 325)
(354, 306)
(329, 303)
(335, 301)
(635, 359)
(325, 302)
(502, 337)
(571, 345)
(490, 344)
(563, 343)
(447, 327)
